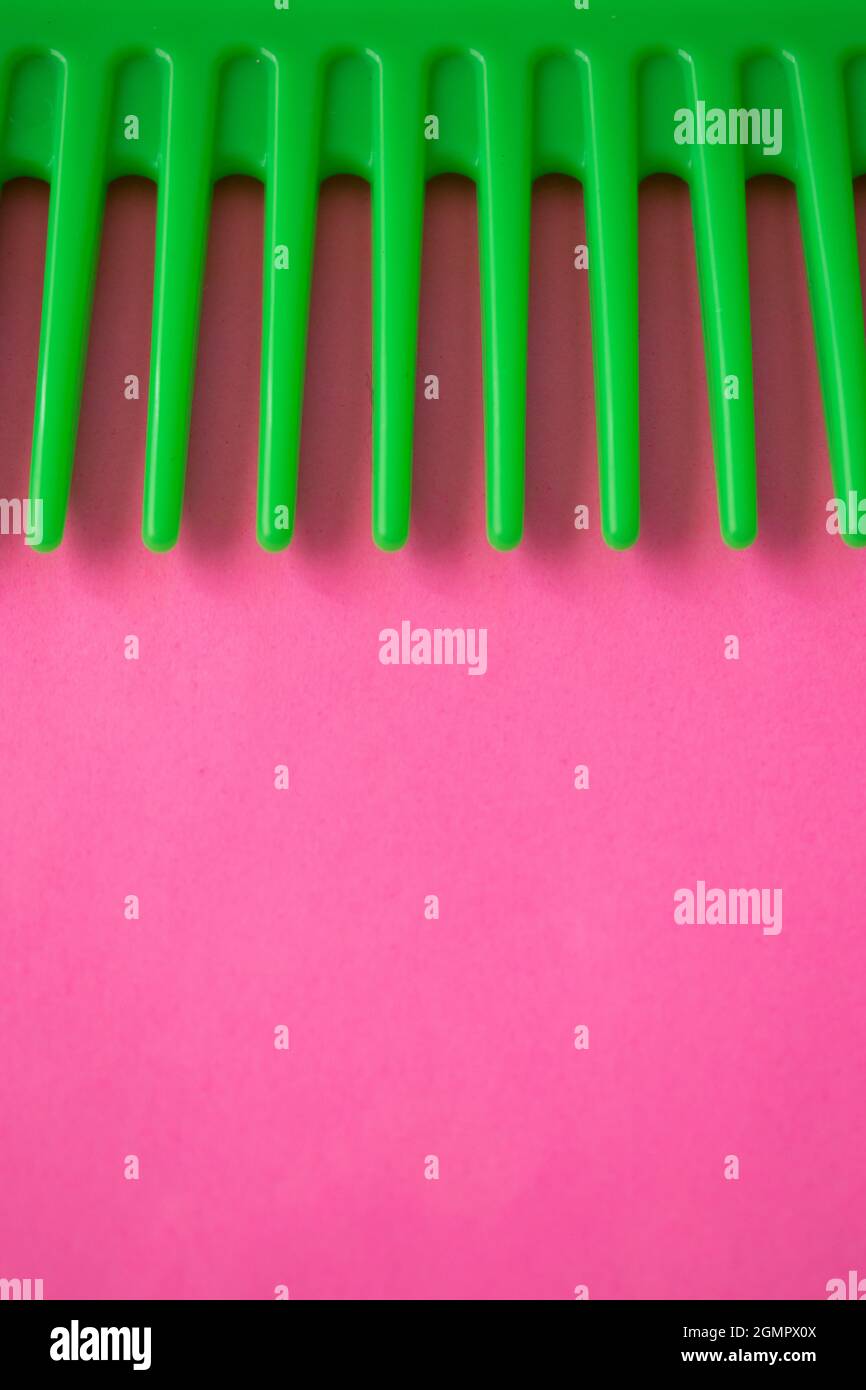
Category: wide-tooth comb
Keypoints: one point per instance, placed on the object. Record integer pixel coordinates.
(294, 91)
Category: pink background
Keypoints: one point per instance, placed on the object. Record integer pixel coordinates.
(305, 908)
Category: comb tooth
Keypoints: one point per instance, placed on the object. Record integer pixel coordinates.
(290, 228)
(826, 201)
(398, 212)
(721, 243)
(611, 194)
(504, 206)
(71, 257)
(181, 249)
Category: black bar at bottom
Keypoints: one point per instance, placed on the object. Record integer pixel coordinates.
(157, 1338)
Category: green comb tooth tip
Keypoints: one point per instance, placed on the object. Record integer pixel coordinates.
(826, 198)
(71, 257)
(183, 211)
(504, 208)
(721, 244)
(398, 212)
(611, 193)
(293, 93)
(291, 197)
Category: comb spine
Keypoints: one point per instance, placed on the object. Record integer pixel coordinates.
(183, 210)
(291, 200)
(611, 199)
(72, 252)
(825, 193)
(398, 220)
(504, 223)
(722, 252)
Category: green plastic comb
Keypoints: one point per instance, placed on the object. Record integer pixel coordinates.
(293, 91)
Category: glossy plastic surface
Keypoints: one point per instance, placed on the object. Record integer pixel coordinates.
(293, 91)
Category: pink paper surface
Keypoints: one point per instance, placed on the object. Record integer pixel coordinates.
(410, 1038)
